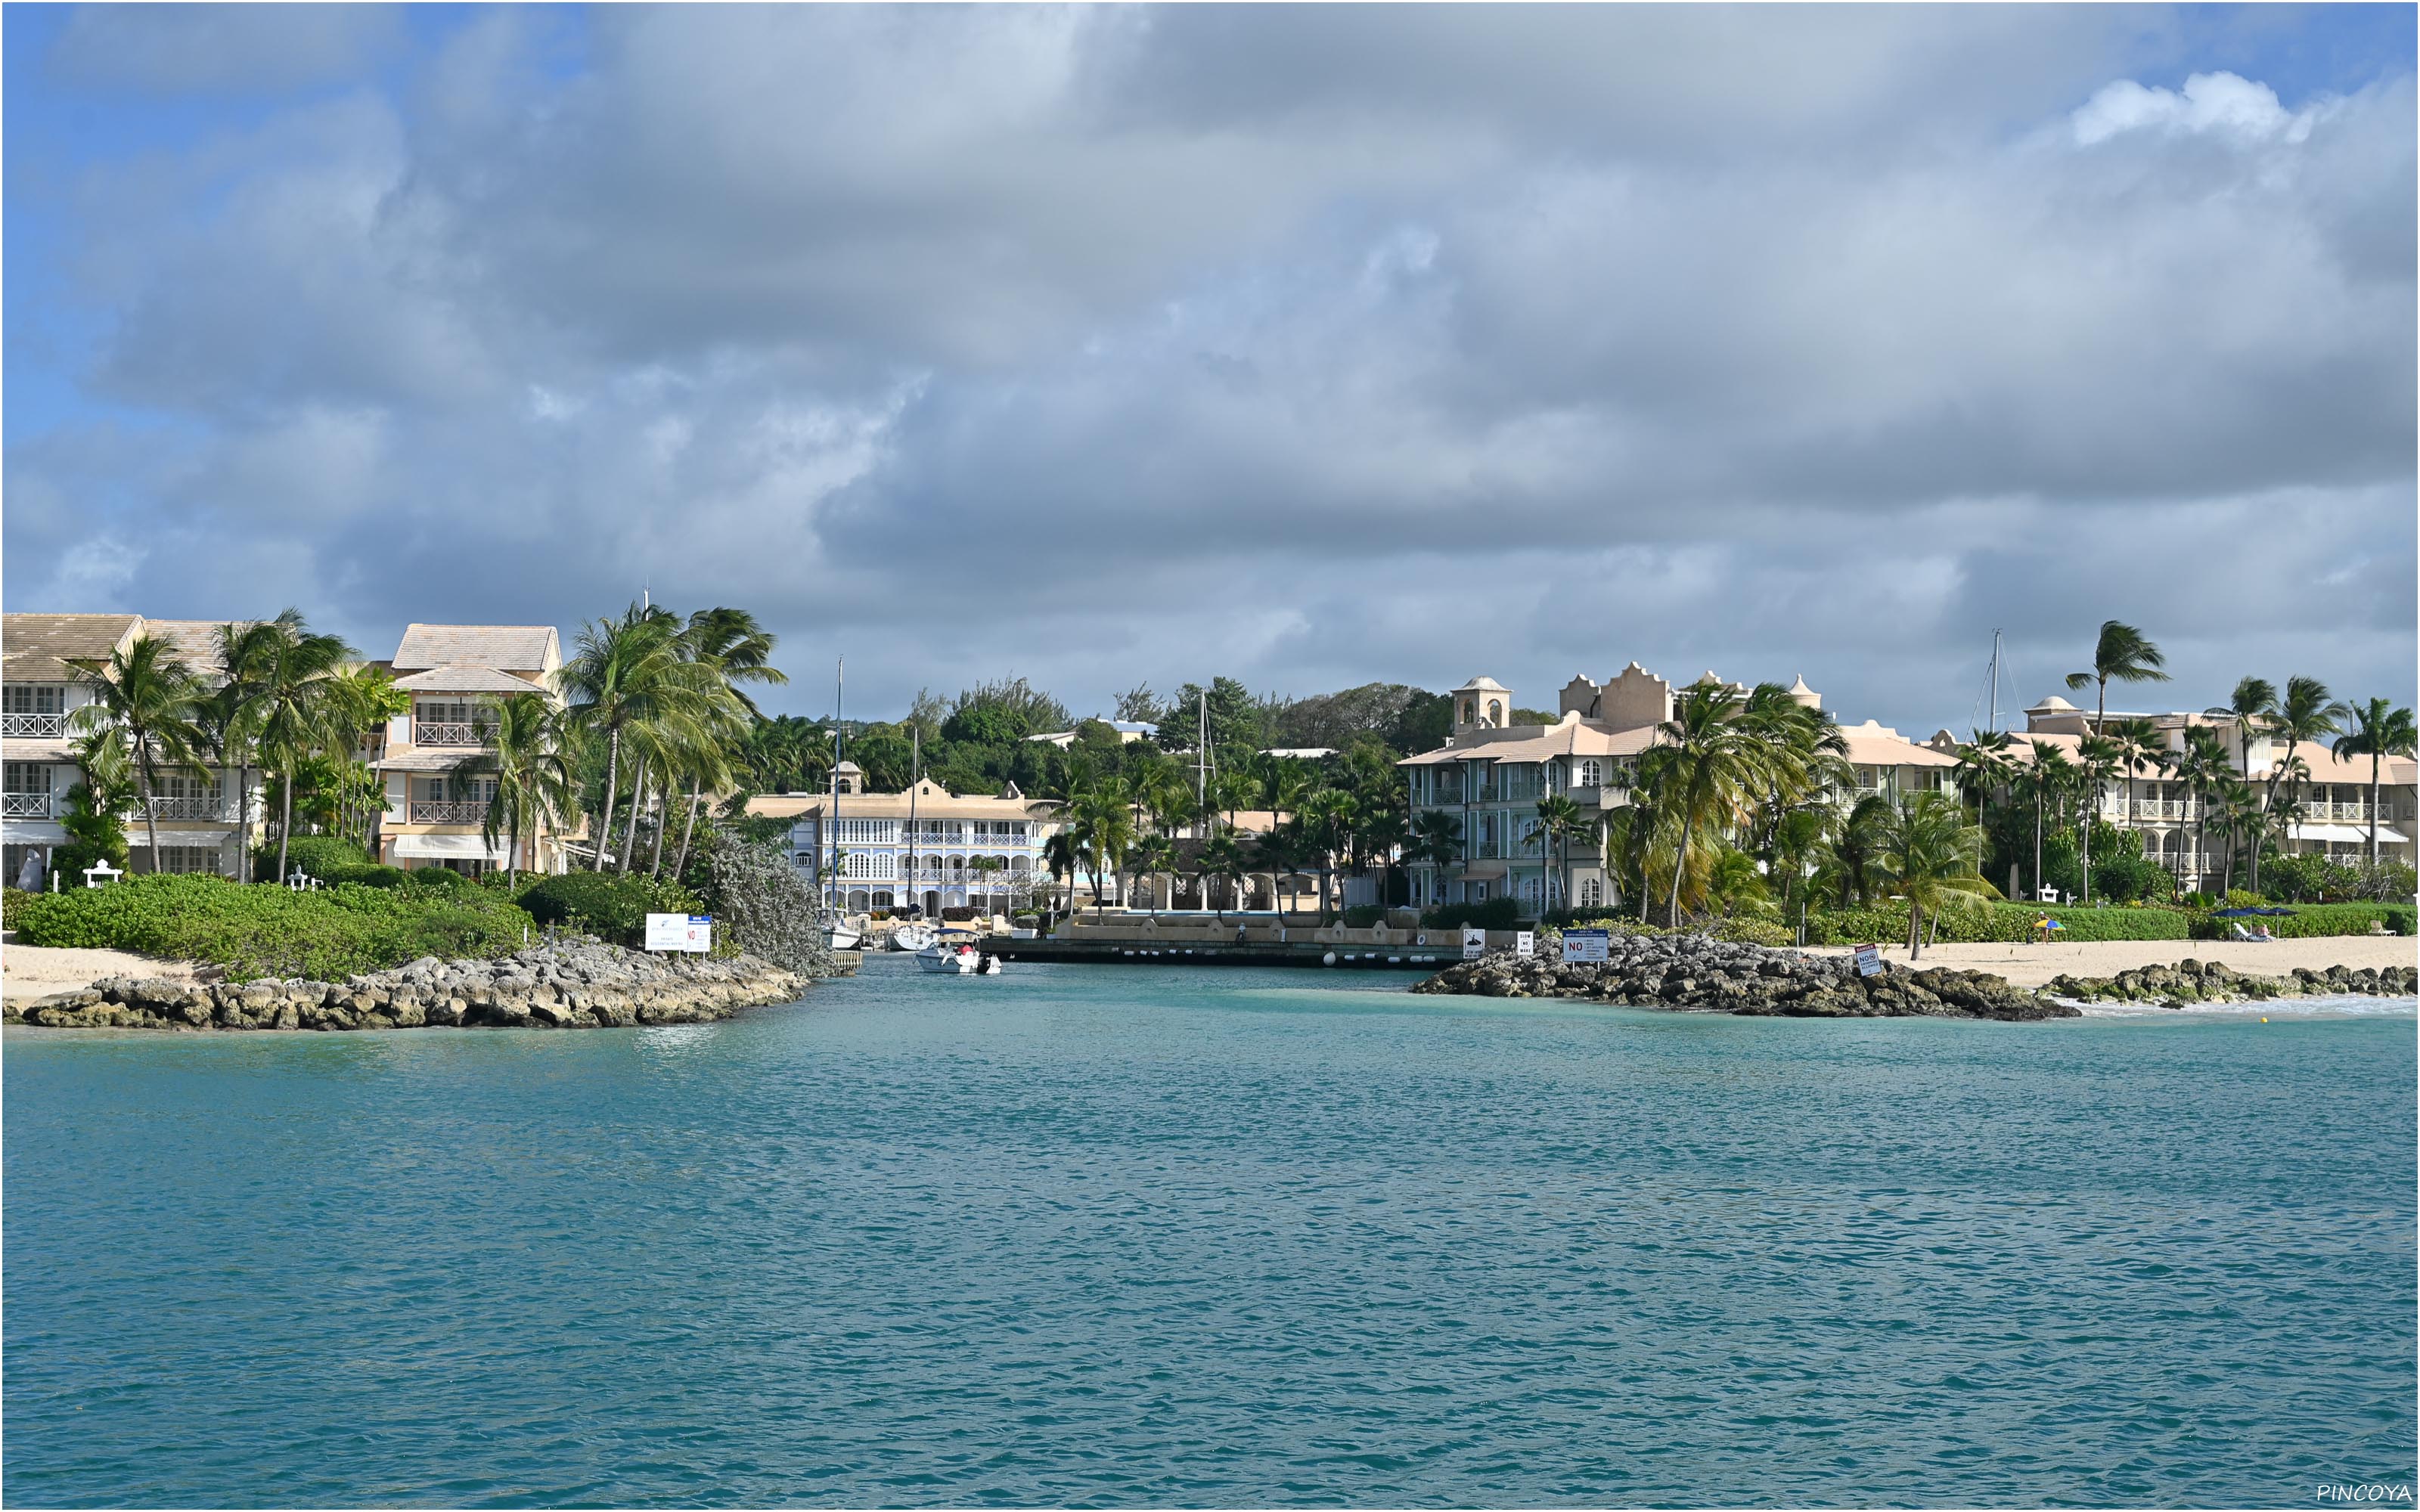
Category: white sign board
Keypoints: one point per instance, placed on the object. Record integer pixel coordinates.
(693, 933)
(1587, 944)
(1474, 943)
(1524, 943)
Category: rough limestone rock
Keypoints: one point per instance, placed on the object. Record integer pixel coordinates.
(564, 984)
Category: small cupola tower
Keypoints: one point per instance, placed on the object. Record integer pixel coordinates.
(1481, 704)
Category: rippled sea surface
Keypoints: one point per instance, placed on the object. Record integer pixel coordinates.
(1116, 1235)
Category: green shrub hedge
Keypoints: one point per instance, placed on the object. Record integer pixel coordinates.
(1884, 923)
(268, 931)
(609, 904)
(2318, 920)
(316, 856)
(1496, 913)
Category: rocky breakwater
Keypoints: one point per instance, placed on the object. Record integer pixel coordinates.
(2211, 982)
(563, 985)
(1693, 971)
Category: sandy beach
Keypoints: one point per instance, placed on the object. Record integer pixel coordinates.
(39, 970)
(2030, 966)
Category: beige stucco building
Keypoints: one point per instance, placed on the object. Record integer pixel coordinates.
(196, 815)
(455, 675)
(925, 847)
(1491, 773)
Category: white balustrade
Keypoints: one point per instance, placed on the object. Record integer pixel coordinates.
(208, 807)
(432, 733)
(34, 726)
(449, 811)
(26, 805)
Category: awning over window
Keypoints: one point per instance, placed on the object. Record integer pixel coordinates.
(451, 848)
(178, 840)
(1482, 871)
(2345, 834)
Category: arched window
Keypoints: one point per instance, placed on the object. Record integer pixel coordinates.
(1467, 715)
(1496, 713)
(1592, 773)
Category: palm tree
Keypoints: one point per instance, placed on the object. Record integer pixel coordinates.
(1848, 860)
(1929, 855)
(1717, 759)
(1102, 823)
(1559, 823)
(529, 757)
(730, 643)
(1795, 842)
(2048, 782)
(1059, 855)
(1153, 855)
(2379, 730)
(2253, 702)
(2308, 713)
(153, 702)
(624, 671)
(1435, 838)
(2140, 743)
(2096, 759)
(1327, 816)
(1221, 860)
(359, 699)
(2201, 767)
(246, 651)
(2122, 655)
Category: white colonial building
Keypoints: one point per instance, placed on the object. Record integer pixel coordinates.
(924, 848)
(457, 674)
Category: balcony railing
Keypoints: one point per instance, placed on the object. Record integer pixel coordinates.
(209, 808)
(26, 805)
(449, 811)
(430, 732)
(34, 726)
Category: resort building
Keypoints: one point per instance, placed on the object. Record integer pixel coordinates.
(1490, 775)
(455, 675)
(924, 848)
(195, 813)
(2334, 815)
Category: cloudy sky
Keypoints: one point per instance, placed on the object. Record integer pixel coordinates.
(1306, 346)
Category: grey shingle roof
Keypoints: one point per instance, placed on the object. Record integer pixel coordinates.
(458, 679)
(510, 647)
(37, 648)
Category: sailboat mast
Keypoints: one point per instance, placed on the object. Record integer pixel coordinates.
(1202, 760)
(1993, 726)
(916, 776)
(840, 666)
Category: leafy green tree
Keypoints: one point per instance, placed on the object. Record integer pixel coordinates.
(2306, 714)
(1716, 761)
(2095, 757)
(153, 703)
(2379, 730)
(2123, 655)
(623, 672)
(1848, 861)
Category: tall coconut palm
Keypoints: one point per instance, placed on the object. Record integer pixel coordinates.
(1221, 860)
(2122, 655)
(358, 699)
(294, 718)
(1154, 855)
(623, 672)
(1848, 860)
(246, 650)
(1101, 821)
(2379, 730)
(738, 651)
(2140, 743)
(2096, 759)
(530, 758)
(146, 695)
(2308, 714)
(2199, 768)
(2047, 781)
(1716, 761)
(1559, 823)
(1929, 854)
(2253, 705)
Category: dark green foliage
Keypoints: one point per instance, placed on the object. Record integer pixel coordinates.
(1886, 924)
(1496, 913)
(612, 905)
(328, 934)
(365, 876)
(2323, 920)
(436, 876)
(1367, 916)
(762, 905)
(95, 834)
(318, 856)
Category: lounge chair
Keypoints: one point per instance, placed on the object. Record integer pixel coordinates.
(2239, 932)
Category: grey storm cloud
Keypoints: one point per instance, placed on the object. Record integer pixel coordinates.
(1310, 345)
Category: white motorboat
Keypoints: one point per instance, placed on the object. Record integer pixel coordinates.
(913, 936)
(956, 961)
(843, 935)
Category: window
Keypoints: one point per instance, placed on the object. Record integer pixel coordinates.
(1532, 891)
(27, 776)
(33, 698)
(175, 859)
(1592, 893)
(1592, 773)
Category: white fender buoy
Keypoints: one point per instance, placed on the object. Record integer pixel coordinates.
(1328, 960)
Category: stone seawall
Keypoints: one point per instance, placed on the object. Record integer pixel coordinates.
(1691, 971)
(564, 986)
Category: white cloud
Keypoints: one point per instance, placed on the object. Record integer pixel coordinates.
(2218, 104)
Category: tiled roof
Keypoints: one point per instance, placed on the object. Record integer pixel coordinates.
(932, 802)
(1876, 745)
(1537, 743)
(196, 641)
(511, 647)
(458, 679)
(37, 648)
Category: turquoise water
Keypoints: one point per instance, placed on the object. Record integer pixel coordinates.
(1099, 1235)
